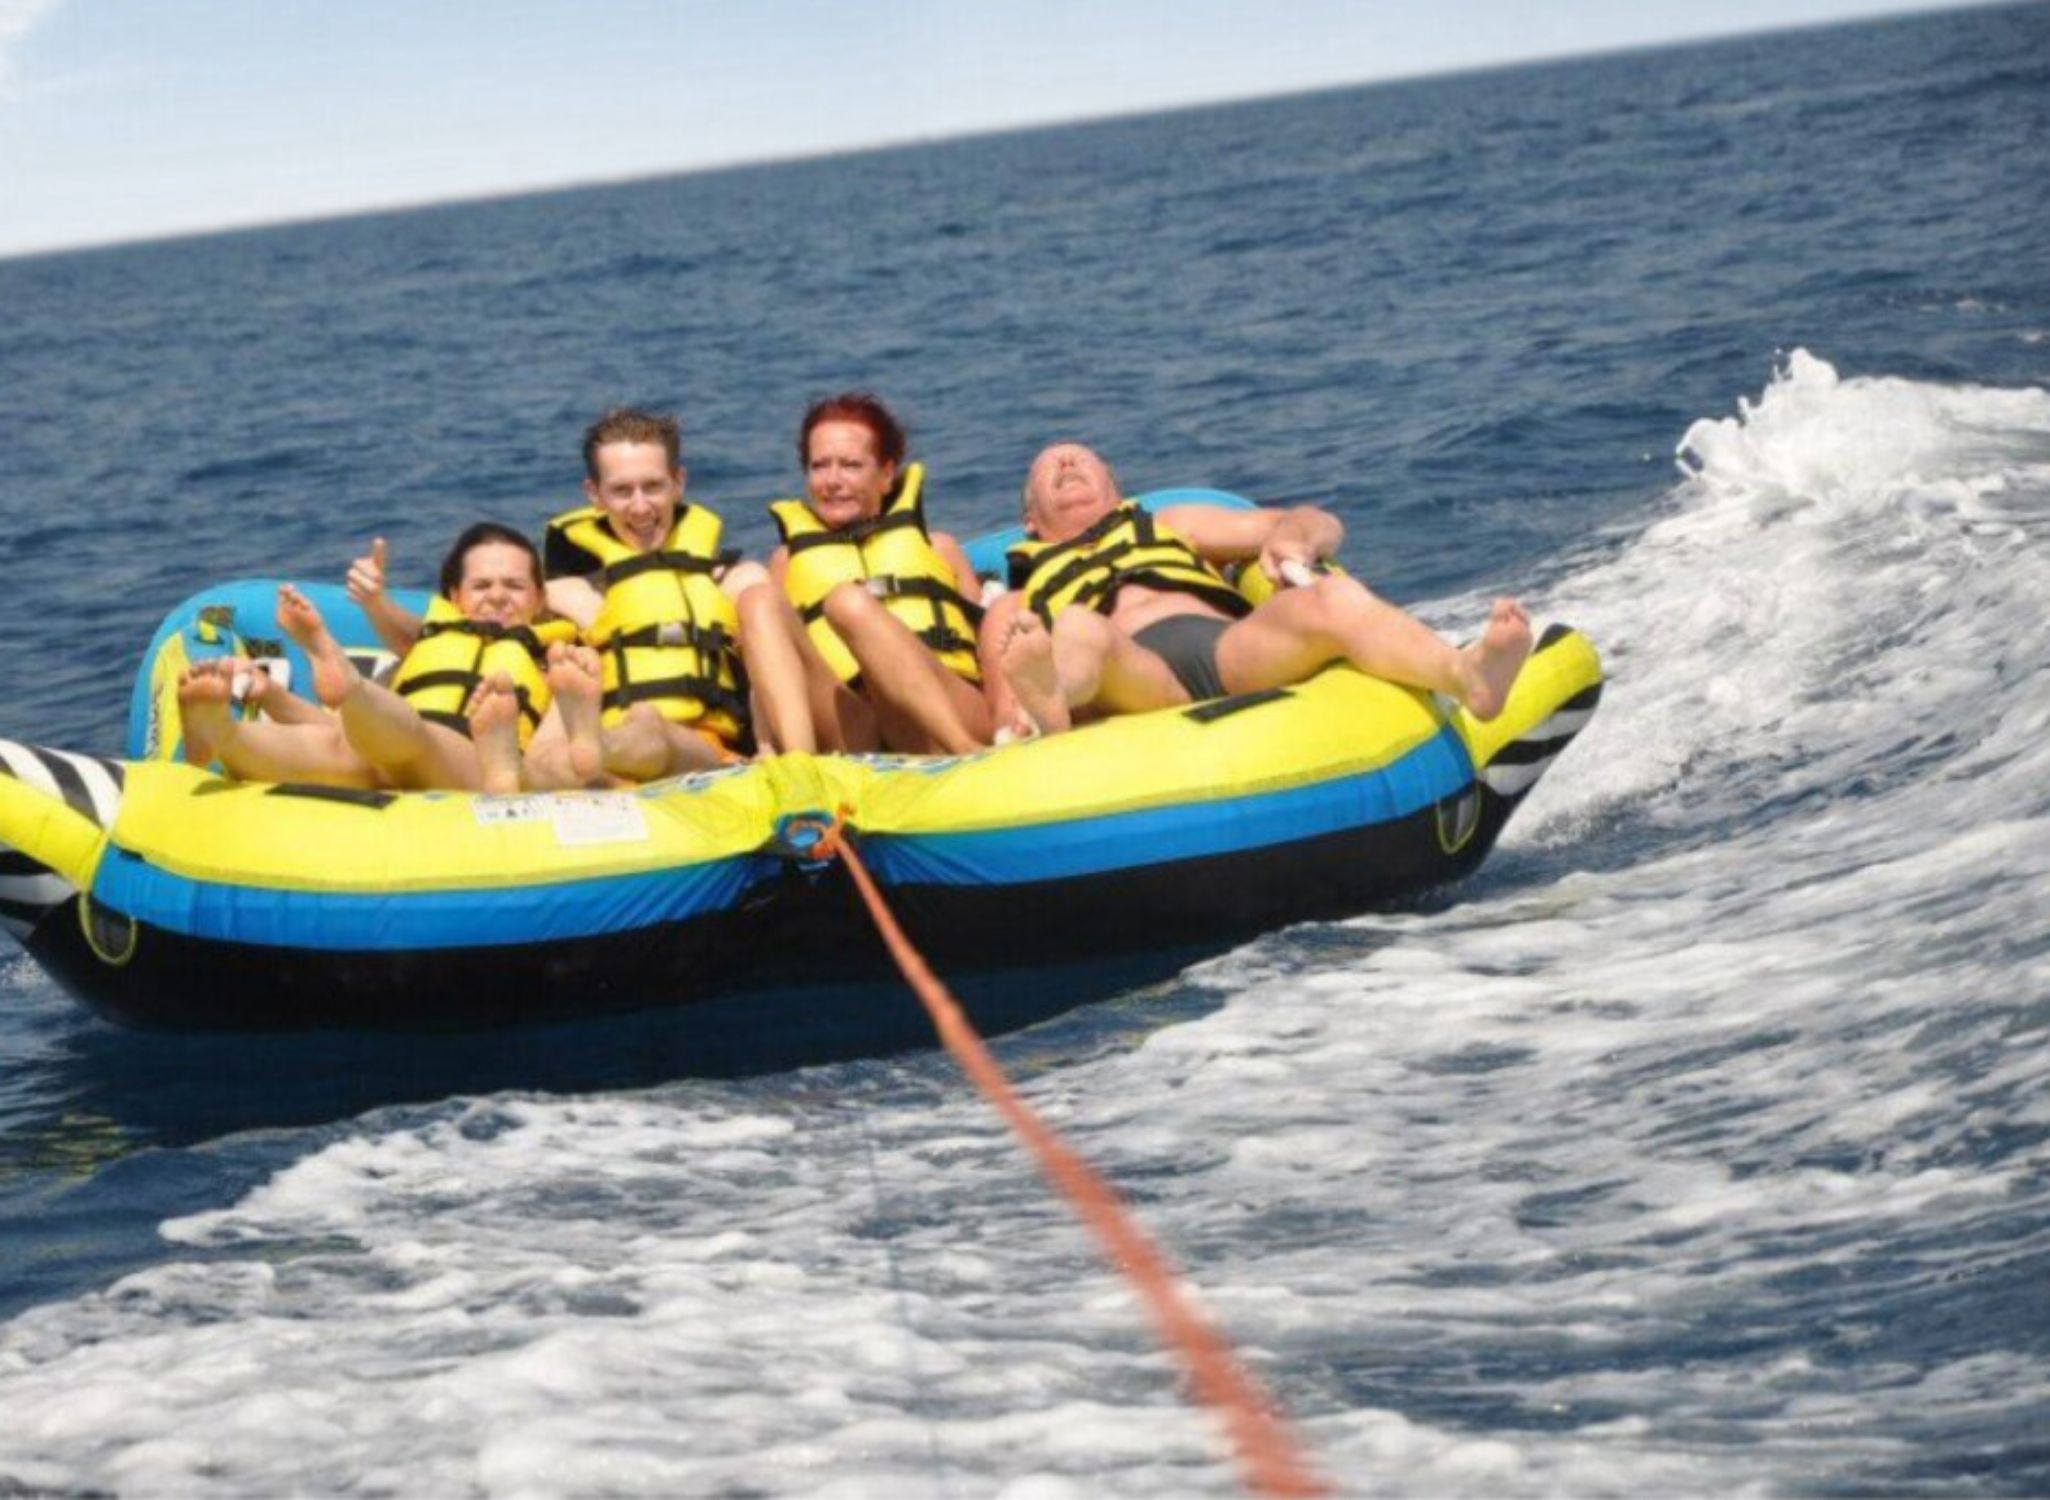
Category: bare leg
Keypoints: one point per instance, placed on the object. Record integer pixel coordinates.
(389, 733)
(769, 635)
(644, 746)
(279, 704)
(842, 719)
(926, 706)
(334, 675)
(262, 752)
(495, 730)
(1299, 630)
(1096, 669)
(382, 727)
(1104, 669)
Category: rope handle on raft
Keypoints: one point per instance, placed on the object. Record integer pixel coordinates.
(1270, 1460)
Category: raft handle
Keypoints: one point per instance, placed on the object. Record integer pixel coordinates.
(356, 796)
(1224, 708)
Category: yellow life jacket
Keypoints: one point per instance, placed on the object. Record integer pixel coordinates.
(667, 632)
(1126, 546)
(894, 555)
(454, 654)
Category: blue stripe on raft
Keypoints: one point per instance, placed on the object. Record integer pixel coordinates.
(1434, 771)
(337, 921)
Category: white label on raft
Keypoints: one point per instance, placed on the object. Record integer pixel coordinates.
(601, 818)
(592, 818)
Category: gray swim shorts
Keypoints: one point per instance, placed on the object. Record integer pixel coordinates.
(1188, 644)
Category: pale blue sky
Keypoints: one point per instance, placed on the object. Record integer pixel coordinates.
(127, 119)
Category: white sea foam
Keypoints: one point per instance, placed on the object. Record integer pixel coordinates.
(1625, 1155)
(1849, 564)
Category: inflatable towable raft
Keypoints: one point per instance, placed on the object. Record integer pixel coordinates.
(163, 895)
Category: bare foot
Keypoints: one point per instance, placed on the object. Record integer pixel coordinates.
(576, 680)
(334, 675)
(204, 692)
(1490, 664)
(1026, 653)
(495, 728)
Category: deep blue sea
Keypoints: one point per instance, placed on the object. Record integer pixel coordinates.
(1701, 1145)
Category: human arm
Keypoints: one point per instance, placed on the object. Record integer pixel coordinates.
(397, 626)
(956, 558)
(1300, 534)
(771, 647)
(575, 600)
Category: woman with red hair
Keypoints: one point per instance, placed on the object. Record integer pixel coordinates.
(889, 607)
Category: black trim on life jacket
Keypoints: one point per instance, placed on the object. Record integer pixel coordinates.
(455, 677)
(708, 692)
(857, 532)
(1084, 561)
(666, 562)
(677, 633)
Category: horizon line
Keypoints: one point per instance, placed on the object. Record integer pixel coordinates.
(709, 168)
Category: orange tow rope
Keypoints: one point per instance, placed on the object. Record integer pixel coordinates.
(1269, 1459)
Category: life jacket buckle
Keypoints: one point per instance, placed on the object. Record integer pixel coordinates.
(672, 633)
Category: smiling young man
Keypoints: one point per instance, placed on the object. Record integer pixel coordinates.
(681, 626)
(1113, 610)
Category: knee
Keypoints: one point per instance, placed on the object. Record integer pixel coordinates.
(1081, 628)
(742, 578)
(642, 719)
(850, 606)
(758, 606)
(1333, 599)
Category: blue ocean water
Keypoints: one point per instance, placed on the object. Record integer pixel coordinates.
(1702, 1145)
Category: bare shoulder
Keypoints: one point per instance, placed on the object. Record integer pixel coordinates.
(955, 556)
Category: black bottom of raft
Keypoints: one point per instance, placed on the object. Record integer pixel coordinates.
(790, 975)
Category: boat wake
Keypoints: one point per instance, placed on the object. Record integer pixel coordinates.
(1702, 1147)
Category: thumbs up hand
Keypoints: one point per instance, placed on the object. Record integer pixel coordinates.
(366, 575)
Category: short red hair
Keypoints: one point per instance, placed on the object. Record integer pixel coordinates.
(855, 406)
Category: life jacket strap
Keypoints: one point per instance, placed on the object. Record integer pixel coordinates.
(1080, 566)
(940, 640)
(887, 586)
(714, 695)
(854, 534)
(447, 720)
(710, 639)
(668, 562)
(454, 719)
(487, 632)
(447, 677)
